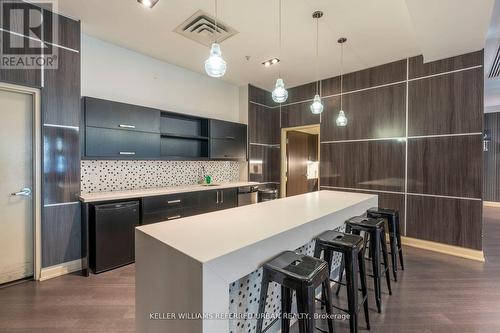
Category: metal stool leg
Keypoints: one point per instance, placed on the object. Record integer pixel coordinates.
(328, 304)
(386, 260)
(286, 308)
(352, 290)
(362, 278)
(375, 249)
(262, 300)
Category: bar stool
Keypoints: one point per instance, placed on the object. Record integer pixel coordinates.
(392, 217)
(374, 233)
(302, 274)
(352, 249)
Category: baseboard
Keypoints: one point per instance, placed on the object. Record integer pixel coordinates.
(491, 204)
(451, 250)
(61, 269)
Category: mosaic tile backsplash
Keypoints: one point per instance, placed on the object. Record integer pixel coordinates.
(105, 176)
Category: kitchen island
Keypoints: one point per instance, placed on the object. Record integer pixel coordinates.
(207, 267)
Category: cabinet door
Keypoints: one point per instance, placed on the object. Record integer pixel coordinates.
(228, 149)
(228, 198)
(103, 142)
(114, 115)
(209, 200)
(227, 130)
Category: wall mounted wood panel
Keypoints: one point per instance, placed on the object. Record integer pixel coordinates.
(374, 165)
(417, 68)
(450, 166)
(24, 77)
(263, 124)
(67, 31)
(61, 234)
(446, 104)
(330, 86)
(385, 200)
(376, 76)
(298, 115)
(443, 220)
(261, 96)
(302, 93)
(492, 158)
(376, 113)
(63, 81)
(264, 164)
(61, 171)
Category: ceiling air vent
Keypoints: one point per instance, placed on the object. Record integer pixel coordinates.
(495, 66)
(200, 27)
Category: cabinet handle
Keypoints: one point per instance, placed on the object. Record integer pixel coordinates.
(217, 196)
(171, 202)
(173, 217)
(230, 138)
(127, 153)
(222, 197)
(126, 126)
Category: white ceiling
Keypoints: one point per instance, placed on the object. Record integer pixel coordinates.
(378, 31)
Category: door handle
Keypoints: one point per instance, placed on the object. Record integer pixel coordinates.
(127, 153)
(25, 192)
(126, 126)
(217, 196)
(222, 197)
(173, 202)
(173, 217)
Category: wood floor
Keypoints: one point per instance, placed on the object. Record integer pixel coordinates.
(436, 293)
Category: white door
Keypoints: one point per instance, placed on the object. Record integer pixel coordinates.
(16, 184)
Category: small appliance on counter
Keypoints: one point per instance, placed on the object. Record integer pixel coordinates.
(247, 195)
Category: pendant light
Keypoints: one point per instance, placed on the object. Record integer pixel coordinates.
(316, 106)
(341, 118)
(215, 66)
(279, 95)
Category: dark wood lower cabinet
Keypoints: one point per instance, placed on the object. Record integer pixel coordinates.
(176, 206)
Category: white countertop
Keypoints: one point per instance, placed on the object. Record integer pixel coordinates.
(127, 194)
(209, 236)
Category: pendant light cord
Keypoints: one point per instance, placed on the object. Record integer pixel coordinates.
(279, 37)
(317, 55)
(216, 29)
(341, 75)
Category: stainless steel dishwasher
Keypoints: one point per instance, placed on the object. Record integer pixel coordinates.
(248, 195)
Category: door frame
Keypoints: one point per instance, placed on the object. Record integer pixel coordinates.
(37, 162)
(311, 129)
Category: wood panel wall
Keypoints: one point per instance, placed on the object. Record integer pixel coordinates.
(414, 137)
(60, 114)
(492, 158)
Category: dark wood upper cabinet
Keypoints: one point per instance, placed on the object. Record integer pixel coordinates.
(227, 140)
(260, 96)
(119, 144)
(418, 68)
(446, 104)
(302, 93)
(115, 115)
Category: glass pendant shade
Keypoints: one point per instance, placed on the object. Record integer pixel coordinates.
(341, 119)
(280, 95)
(316, 106)
(215, 66)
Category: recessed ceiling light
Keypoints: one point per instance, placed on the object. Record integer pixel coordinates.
(148, 3)
(270, 62)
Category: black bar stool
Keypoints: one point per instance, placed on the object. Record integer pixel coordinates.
(302, 274)
(374, 233)
(352, 249)
(392, 217)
